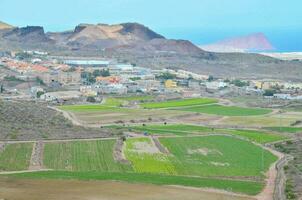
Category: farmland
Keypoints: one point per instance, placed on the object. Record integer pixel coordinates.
(243, 187)
(82, 156)
(157, 147)
(286, 129)
(15, 157)
(102, 114)
(146, 158)
(217, 156)
(172, 129)
(258, 136)
(179, 103)
(271, 120)
(227, 110)
(198, 161)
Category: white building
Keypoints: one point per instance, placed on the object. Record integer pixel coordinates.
(215, 85)
(60, 96)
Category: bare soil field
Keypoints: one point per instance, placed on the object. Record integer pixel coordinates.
(13, 189)
(271, 120)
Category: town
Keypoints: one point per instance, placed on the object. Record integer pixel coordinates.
(36, 75)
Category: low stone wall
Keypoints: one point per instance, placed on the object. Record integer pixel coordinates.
(280, 183)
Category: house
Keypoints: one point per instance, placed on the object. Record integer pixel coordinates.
(216, 85)
(148, 85)
(282, 96)
(60, 96)
(64, 78)
(110, 89)
(170, 84)
(89, 63)
(88, 91)
(108, 79)
(194, 84)
(35, 90)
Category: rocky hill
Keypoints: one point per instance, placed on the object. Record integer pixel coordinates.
(252, 42)
(102, 36)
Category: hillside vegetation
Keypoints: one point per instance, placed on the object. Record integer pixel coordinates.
(28, 120)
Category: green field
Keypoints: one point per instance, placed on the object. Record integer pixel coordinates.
(197, 161)
(227, 110)
(179, 103)
(16, 157)
(271, 120)
(286, 129)
(261, 137)
(244, 187)
(174, 129)
(217, 156)
(88, 107)
(111, 103)
(82, 156)
(146, 159)
(137, 98)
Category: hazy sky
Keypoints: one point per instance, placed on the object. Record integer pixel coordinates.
(198, 20)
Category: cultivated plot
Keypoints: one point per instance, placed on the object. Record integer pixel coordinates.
(179, 103)
(272, 120)
(217, 156)
(146, 157)
(15, 157)
(258, 136)
(83, 156)
(227, 110)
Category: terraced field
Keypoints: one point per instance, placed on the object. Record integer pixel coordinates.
(227, 110)
(261, 137)
(286, 129)
(217, 156)
(83, 156)
(198, 161)
(270, 120)
(174, 129)
(15, 157)
(146, 158)
(179, 103)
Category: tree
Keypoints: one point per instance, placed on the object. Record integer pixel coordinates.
(239, 83)
(211, 78)
(105, 72)
(91, 99)
(39, 81)
(39, 94)
(166, 76)
(269, 92)
(1, 88)
(88, 76)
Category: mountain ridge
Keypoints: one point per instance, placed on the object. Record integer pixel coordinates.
(136, 43)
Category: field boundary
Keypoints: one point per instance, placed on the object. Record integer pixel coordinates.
(36, 160)
(279, 192)
(159, 146)
(271, 177)
(118, 152)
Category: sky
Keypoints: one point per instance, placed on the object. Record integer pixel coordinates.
(201, 21)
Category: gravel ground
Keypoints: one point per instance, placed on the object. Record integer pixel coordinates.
(21, 120)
